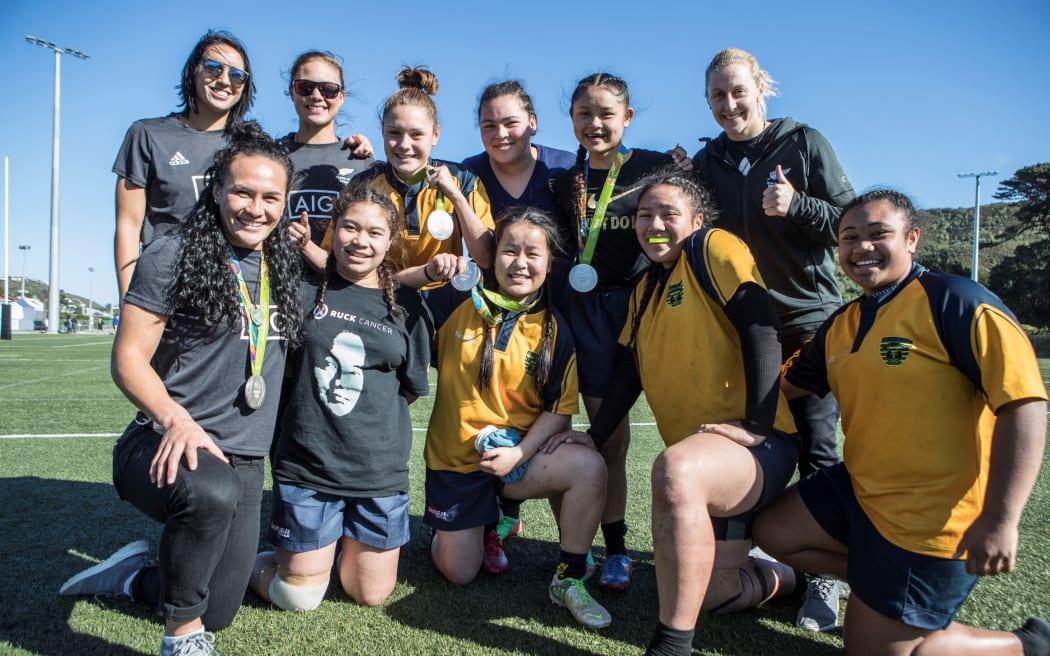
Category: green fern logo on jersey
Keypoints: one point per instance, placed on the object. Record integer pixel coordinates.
(530, 363)
(895, 350)
(675, 294)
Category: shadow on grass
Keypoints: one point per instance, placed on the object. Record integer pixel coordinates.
(43, 521)
(512, 612)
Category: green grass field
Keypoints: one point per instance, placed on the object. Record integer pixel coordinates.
(59, 513)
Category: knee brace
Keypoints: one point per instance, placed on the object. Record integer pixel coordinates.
(296, 597)
(739, 581)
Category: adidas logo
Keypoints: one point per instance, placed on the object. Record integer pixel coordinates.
(178, 159)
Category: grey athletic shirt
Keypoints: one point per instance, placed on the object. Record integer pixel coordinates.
(168, 160)
(321, 172)
(204, 367)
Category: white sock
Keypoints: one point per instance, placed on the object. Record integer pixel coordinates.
(174, 640)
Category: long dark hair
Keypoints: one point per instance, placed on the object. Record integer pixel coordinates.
(388, 268)
(205, 284)
(543, 221)
(187, 86)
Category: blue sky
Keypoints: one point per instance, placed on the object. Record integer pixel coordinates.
(908, 93)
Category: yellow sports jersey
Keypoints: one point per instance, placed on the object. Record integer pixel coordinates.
(461, 409)
(415, 203)
(688, 350)
(919, 373)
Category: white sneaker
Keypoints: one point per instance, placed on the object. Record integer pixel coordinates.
(820, 605)
(572, 594)
(110, 577)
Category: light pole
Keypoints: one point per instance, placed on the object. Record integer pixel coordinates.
(91, 278)
(976, 215)
(52, 281)
(25, 251)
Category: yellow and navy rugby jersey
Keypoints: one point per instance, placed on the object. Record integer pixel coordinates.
(919, 372)
(461, 410)
(688, 350)
(415, 203)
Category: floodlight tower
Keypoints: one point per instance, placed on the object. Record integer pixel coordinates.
(976, 214)
(52, 281)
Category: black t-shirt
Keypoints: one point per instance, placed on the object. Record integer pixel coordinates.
(347, 430)
(204, 367)
(618, 258)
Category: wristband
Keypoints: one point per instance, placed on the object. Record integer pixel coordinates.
(427, 274)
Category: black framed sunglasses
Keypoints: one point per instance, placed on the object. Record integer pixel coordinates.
(329, 90)
(213, 69)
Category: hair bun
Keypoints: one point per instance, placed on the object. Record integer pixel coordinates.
(419, 77)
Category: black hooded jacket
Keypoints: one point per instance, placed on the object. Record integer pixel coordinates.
(795, 253)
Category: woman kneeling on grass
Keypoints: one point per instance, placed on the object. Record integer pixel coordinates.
(932, 486)
(506, 360)
(201, 352)
(341, 465)
(701, 340)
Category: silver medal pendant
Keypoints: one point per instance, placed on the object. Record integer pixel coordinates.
(256, 315)
(255, 392)
(583, 278)
(439, 224)
(466, 280)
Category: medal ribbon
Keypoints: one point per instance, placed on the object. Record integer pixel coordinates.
(257, 334)
(480, 296)
(587, 235)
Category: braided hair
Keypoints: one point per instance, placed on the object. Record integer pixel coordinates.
(351, 195)
(205, 285)
(617, 87)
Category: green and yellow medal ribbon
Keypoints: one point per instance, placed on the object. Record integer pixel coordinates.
(257, 332)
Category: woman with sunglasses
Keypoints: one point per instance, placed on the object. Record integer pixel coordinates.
(161, 164)
(323, 162)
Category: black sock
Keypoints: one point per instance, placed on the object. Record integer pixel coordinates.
(571, 565)
(510, 507)
(613, 533)
(1034, 637)
(670, 642)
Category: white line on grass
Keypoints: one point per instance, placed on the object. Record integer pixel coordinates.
(84, 344)
(42, 380)
(52, 435)
(26, 435)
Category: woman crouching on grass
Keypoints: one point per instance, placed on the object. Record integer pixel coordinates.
(702, 313)
(341, 466)
(931, 488)
(201, 348)
(506, 383)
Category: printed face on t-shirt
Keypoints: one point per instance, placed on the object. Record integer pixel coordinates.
(340, 381)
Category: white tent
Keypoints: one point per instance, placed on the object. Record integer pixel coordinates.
(23, 313)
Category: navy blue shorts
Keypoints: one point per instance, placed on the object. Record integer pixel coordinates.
(914, 589)
(596, 320)
(306, 520)
(777, 457)
(458, 501)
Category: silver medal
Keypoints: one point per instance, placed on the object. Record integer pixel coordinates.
(256, 315)
(439, 224)
(255, 392)
(583, 278)
(466, 280)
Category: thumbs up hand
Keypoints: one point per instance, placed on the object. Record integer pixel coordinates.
(776, 199)
(299, 232)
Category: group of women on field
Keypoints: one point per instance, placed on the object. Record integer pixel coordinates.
(530, 276)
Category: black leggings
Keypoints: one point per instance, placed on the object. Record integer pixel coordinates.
(211, 529)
